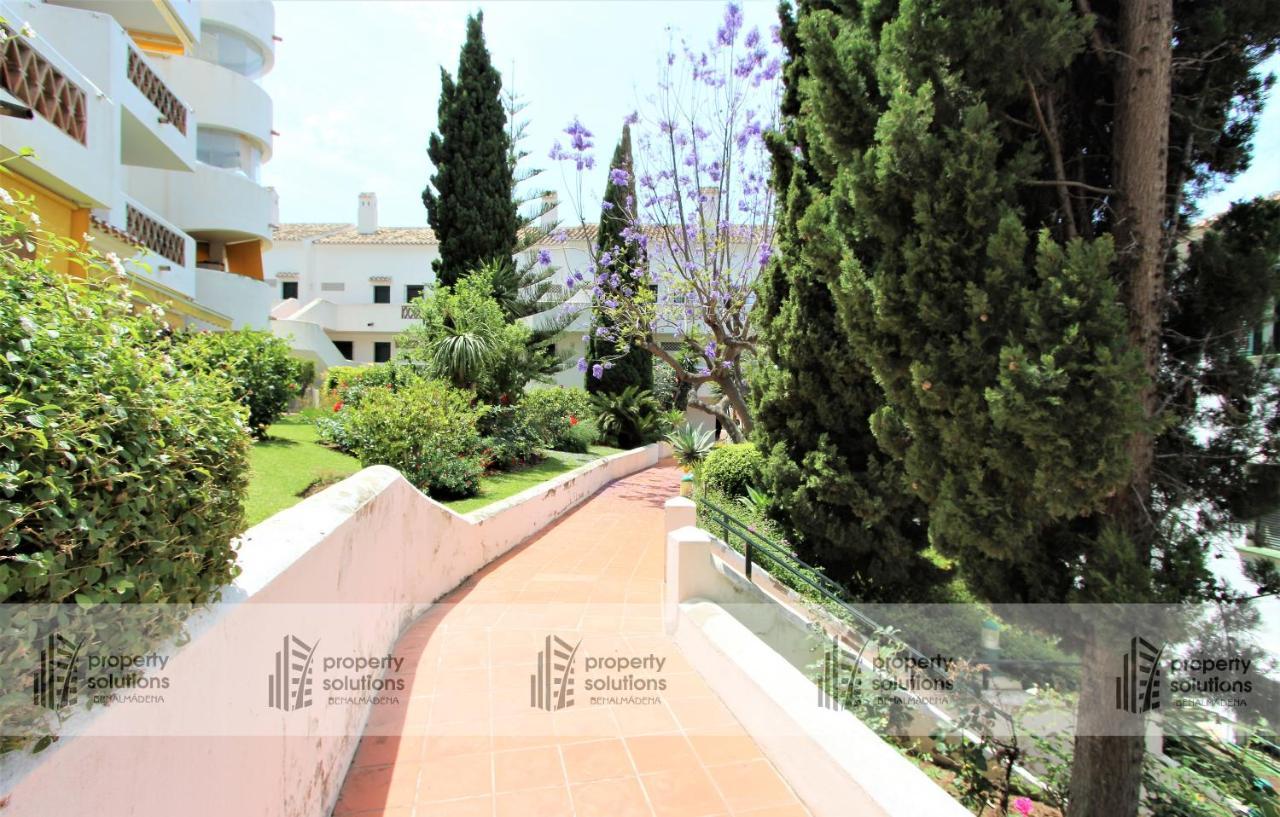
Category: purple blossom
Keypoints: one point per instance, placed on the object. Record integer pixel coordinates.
(544, 257)
(732, 24)
(619, 176)
(597, 371)
(766, 252)
(582, 361)
(632, 118)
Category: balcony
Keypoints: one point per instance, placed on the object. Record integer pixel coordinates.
(39, 85)
(155, 236)
(228, 100)
(213, 203)
(165, 21)
(375, 318)
(72, 141)
(157, 93)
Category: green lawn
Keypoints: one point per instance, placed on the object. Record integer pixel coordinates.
(509, 483)
(286, 463)
(290, 460)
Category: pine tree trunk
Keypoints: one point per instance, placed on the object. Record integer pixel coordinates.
(1106, 772)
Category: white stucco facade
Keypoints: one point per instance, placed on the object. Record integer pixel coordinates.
(152, 142)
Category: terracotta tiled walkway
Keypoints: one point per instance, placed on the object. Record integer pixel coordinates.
(466, 738)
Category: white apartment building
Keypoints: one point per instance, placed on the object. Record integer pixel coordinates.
(342, 290)
(147, 130)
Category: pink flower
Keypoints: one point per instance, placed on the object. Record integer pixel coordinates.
(1023, 806)
(573, 421)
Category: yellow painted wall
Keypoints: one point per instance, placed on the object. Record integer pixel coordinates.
(57, 215)
(245, 259)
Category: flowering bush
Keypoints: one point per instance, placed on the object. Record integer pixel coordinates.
(121, 473)
(263, 374)
(554, 414)
(427, 429)
(701, 224)
(508, 437)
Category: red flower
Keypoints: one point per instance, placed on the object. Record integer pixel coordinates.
(337, 406)
(504, 399)
(573, 421)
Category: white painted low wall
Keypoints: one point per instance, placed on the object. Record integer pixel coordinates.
(376, 552)
(750, 656)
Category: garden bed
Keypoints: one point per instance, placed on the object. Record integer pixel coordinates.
(502, 484)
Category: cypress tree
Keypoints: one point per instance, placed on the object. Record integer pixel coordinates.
(841, 498)
(617, 212)
(1000, 197)
(469, 201)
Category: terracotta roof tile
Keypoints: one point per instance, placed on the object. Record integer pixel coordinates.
(384, 235)
(298, 232)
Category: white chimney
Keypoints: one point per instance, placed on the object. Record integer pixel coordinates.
(550, 210)
(367, 214)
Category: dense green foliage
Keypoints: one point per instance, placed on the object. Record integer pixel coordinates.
(635, 366)
(731, 469)
(427, 430)
(843, 500)
(464, 338)
(469, 201)
(557, 413)
(983, 191)
(263, 374)
(508, 438)
(121, 472)
(629, 418)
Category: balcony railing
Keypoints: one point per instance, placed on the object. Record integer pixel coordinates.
(154, 89)
(408, 312)
(155, 236)
(42, 87)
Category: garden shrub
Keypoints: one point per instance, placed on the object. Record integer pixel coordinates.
(555, 414)
(263, 374)
(508, 438)
(121, 473)
(730, 469)
(427, 430)
(464, 337)
(579, 437)
(630, 417)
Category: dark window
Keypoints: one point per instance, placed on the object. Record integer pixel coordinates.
(382, 294)
(381, 351)
(413, 292)
(289, 289)
(344, 348)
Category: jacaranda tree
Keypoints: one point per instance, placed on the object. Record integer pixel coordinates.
(702, 220)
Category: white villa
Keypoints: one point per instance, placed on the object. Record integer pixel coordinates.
(143, 124)
(342, 290)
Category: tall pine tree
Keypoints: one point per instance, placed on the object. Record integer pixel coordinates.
(842, 498)
(469, 201)
(1000, 195)
(617, 211)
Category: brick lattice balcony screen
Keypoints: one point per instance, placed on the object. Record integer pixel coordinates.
(154, 89)
(43, 88)
(409, 312)
(155, 236)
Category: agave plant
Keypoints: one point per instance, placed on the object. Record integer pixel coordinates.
(690, 445)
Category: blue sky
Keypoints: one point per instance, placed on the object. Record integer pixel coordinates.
(355, 88)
